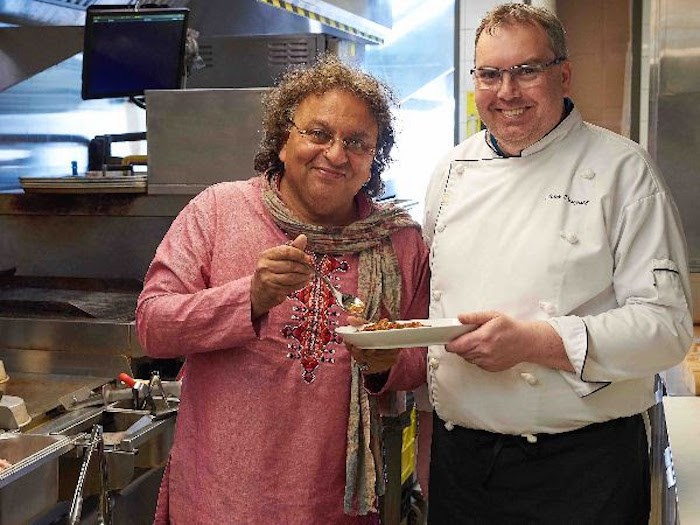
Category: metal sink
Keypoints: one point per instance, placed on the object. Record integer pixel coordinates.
(134, 439)
(149, 437)
(30, 486)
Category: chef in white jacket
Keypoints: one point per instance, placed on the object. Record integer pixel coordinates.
(560, 241)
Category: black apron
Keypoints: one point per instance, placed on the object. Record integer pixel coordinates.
(595, 475)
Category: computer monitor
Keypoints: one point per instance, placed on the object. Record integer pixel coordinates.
(127, 51)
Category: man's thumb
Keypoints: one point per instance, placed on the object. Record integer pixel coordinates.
(300, 241)
(477, 318)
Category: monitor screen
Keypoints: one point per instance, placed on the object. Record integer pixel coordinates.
(128, 51)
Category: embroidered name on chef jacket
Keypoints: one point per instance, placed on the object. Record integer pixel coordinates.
(565, 197)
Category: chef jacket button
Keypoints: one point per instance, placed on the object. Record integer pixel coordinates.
(529, 378)
(531, 438)
(440, 228)
(437, 294)
(588, 174)
(458, 169)
(449, 425)
(434, 363)
(548, 308)
(569, 237)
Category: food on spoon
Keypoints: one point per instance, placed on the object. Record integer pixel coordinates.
(385, 324)
(4, 464)
(357, 307)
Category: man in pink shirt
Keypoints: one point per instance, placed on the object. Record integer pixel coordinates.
(274, 422)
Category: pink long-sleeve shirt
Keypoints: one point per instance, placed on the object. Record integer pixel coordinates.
(261, 430)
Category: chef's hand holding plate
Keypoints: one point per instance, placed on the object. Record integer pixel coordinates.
(280, 270)
(371, 361)
(500, 342)
(496, 343)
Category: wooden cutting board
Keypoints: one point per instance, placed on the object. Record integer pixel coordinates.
(691, 365)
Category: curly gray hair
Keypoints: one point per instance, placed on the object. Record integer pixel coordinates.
(328, 72)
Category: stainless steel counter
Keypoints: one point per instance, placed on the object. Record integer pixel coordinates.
(43, 378)
(682, 414)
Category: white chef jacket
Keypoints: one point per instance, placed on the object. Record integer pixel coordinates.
(581, 231)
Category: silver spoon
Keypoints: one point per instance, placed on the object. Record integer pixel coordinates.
(348, 302)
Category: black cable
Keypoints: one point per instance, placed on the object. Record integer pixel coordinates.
(139, 101)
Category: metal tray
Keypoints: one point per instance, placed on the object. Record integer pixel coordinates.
(30, 486)
(70, 184)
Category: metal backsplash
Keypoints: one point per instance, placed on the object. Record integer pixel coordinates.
(674, 130)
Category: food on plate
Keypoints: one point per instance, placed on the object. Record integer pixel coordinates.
(4, 464)
(385, 324)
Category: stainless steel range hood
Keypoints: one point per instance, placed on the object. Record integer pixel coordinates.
(58, 25)
(60, 12)
(21, 57)
(362, 21)
(354, 19)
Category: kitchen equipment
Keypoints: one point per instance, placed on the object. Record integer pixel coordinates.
(154, 395)
(79, 184)
(45, 380)
(110, 393)
(134, 440)
(30, 486)
(13, 413)
(78, 315)
(87, 397)
(96, 442)
(140, 391)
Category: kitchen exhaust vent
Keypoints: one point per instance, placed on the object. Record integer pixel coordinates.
(289, 52)
(257, 61)
(281, 53)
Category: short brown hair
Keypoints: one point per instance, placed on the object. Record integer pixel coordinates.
(516, 13)
(328, 72)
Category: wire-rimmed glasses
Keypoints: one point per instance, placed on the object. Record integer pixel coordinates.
(322, 137)
(526, 75)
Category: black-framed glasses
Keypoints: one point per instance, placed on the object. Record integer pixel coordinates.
(323, 137)
(526, 75)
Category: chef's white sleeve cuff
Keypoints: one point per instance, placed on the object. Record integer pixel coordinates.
(574, 335)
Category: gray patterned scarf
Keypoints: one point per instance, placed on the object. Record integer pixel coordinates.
(379, 283)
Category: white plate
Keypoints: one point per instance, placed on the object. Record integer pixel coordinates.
(437, 332)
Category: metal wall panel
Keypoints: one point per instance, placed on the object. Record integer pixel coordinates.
(198, 137)
(674, 134)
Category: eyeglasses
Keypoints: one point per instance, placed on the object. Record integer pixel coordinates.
(526, 75)
(322, 137)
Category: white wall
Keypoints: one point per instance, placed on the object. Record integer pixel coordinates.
(471, 13)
